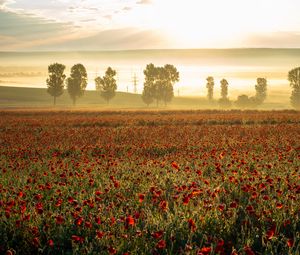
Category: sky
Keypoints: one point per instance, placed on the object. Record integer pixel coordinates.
(27, 25)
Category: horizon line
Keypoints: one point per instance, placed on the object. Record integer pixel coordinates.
(148, 49)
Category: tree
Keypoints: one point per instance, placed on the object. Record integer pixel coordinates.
(107, 85)
(170, 76)
(261, 90)
(77, 82)
(210, 88)
(224, 101)
(55, 82)
(159, 83)
(224, 88)
(147, 95)
(294, 79)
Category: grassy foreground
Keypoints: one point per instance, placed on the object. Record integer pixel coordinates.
(163, 182)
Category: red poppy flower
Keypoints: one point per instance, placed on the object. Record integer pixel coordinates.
(248, 250)
(99, 234)
(58, 202)
(163, 205)
(39, 208)
(79, 221)
(185, 200)
(157, 234)
(98, 220)
(192, 225)
(50, 243)
(161, 244)
(112, 250)
(77, 239)
(36, 241)
(221, 207)
(88, 224)
(59, 220)
(130, 221)
(205, 250)
(175, 165)
(21, 194)
(98, 193)
(290, 242)
(233, 204)
(271, 232)
(141, 197)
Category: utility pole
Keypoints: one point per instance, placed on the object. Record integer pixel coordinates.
(135, 83)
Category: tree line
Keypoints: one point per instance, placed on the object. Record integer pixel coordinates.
(77, 82)
(158, 87)
(243, 101)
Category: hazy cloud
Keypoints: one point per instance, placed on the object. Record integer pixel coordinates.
(117, 39)
(127, 8)
(18, 29)
(88, 20)
(108, 16)
(144, 2)
(93, 9)
(3, 3)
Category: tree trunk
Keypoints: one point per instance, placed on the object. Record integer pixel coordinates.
(54, 100)
(74, 101)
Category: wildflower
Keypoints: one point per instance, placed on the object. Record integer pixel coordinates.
(161, 244)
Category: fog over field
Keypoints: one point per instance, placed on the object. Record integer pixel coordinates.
(240, 67)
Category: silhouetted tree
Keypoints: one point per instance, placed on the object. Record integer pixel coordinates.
(210, 87)
(261, 90)
(77, 82)
(55, 82)
(107, 85)
(147, 96)
(170, 76)
(224, 101)
(159, 82)
(294, 79)
(149, 91)
(224, 88)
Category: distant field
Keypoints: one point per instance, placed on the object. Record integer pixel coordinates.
(149, 182)
(39, 98)
(35, 97)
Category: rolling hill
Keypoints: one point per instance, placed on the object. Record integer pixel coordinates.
(19, 97)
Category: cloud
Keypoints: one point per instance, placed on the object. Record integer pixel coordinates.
(18, 29)
(126, 8)
(23, 32)
(3, 3)
(115, 39)
(88, 20)
(144, 2)
(108, 16)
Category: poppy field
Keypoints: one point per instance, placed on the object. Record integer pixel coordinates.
(149, 182)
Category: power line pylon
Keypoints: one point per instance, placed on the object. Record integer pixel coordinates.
(135, 83)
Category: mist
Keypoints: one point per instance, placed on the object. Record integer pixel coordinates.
(240, 67)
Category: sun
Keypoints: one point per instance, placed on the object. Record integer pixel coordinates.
(197, 24)
(214, 23)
